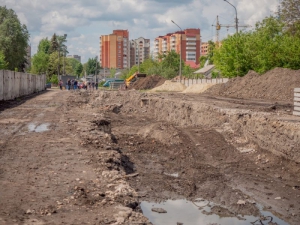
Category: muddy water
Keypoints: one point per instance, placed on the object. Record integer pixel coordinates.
(191, 213)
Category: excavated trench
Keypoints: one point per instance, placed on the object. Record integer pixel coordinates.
(242, 157)
(244, 124)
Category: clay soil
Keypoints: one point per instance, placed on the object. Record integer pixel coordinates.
(148, 82)
(277, 84)
(91, 158)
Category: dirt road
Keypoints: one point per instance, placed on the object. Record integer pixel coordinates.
(81, 158)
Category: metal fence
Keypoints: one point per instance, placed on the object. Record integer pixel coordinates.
(116, 85)
(16, 84)
(296, 102)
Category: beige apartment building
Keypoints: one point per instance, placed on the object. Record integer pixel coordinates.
(115, 50)
(139, 50)
(204, 48)
(189, 40)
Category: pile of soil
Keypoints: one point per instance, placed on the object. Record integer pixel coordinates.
(197, 88)
(170, 86)
(277, 84)
(148, 82)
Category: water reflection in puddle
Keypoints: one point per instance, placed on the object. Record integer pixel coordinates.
(189, 213)
(38, 128)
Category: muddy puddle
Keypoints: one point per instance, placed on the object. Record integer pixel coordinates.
(38, 128)
(185, 212)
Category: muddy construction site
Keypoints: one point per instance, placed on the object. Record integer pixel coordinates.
(131, 157)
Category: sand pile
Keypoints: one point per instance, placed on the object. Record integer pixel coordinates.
(169, 86)
(148, 82)
(277, 84)
(197, 88)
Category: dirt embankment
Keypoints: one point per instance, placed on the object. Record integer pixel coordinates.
(240, 143)
(265, 125)
(148, 82)
(277, 84)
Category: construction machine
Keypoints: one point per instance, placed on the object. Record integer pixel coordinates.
(133, 78)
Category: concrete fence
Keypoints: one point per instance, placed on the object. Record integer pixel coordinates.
(189, 82)
(16, 84)
(296, 102)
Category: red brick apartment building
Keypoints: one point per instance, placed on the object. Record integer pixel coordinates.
(115, 50)
(189, 39)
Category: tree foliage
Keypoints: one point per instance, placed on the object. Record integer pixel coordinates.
(3, 63)
(262, 49)
(40, 63)
(91, 66)
(44, 46)
(13, 39)
(290, 15)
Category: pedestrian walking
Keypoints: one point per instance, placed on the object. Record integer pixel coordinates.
(93, 85)
(60, 83)
(75, 84)
(69, 84)
(72, 84)
(89, 86)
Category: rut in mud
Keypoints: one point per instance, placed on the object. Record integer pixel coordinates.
(97, 162)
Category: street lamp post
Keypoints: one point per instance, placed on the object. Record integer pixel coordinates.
(138, 47)
(236, 18)
(180, 49)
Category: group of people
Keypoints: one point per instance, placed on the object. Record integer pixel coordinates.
(70, 84)
(90, 85)
(73, 85)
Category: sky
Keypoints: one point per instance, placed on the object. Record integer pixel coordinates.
(84, 21)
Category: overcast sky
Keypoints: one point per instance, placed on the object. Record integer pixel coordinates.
(85, 20)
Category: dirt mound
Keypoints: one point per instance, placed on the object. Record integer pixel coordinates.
(277, 84)
(170, 86)
(197, 88)
(148, 82)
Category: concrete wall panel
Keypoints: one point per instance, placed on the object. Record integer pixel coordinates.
(1, 84)
(16, 84)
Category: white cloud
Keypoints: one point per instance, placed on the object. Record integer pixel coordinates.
(85, 20)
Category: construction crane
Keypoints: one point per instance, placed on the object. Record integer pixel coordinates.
(218, 28)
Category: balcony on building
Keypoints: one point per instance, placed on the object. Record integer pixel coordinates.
(191, 48)
(191, 43)
(191, 38)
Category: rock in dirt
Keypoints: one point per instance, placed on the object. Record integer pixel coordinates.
(241, 202)
(159, 210)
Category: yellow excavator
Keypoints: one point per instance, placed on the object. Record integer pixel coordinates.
(133, 78)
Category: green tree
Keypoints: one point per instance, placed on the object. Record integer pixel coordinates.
(73, 63)
(3, 63)
(262, 49)
(290, 15)
(91, 65)
(40, 63)
(211, 50)
(78, 69)
(54, 64)
(13, 39)
(54, 45)
(202, 60)
(44, 46)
